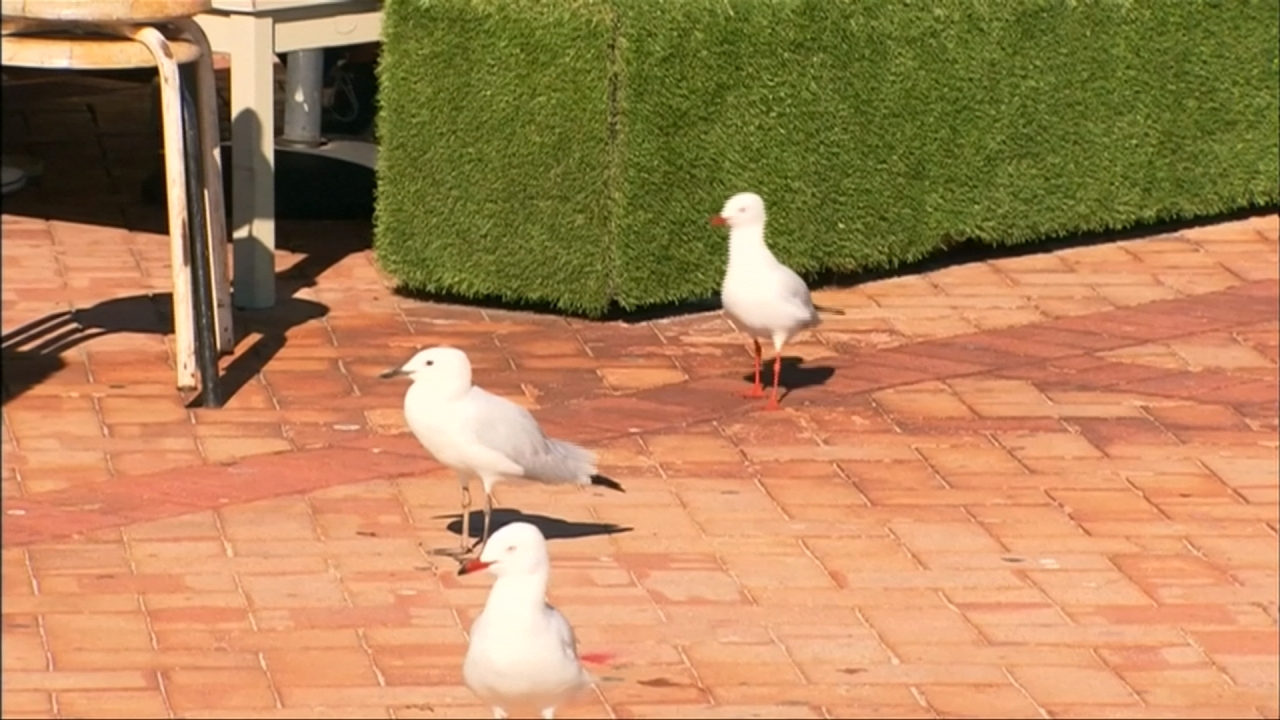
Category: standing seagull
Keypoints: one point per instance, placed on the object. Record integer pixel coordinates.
(522, 653)
(764, 297)
(477, 432)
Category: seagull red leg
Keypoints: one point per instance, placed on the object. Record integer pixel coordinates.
(757, 388)
(777, 375)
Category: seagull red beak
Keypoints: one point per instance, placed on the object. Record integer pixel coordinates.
(718, 220)
(596, 658)
(473, 566)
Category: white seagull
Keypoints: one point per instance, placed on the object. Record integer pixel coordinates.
(522, 652)
(764, 297)
(476, 432)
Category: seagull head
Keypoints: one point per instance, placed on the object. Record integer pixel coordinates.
(445, 368)
(741, 210)
(514, 549)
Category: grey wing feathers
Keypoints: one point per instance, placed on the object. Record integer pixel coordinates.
(565, 462)
(568, 640)
(512, 430)
(796, 289)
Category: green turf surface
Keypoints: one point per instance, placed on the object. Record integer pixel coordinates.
(569, 152)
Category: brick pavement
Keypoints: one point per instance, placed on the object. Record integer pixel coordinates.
(1037, 486)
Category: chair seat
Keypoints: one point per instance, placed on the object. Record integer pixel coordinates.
(67, 51)
(107, 11)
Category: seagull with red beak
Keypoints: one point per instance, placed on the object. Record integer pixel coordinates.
(478, 433)
(763, 297)
(522, 653)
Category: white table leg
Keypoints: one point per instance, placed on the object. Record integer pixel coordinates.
(253, 202)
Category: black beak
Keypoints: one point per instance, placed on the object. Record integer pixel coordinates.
(393, 372)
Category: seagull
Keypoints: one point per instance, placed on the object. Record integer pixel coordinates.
(475, 432)
(522, 652)
(764, 297)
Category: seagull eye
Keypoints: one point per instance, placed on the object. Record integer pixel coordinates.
(430, 363)
(511, 548)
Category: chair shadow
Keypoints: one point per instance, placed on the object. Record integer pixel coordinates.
(553, 528)
(794, 375)
(31, 352)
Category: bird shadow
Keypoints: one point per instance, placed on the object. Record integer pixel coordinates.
(552, 528)
(794, 375)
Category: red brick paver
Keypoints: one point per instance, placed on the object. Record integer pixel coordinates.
(1040, 486)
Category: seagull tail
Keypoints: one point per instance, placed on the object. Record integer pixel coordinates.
(828, 310)
(563, 463)
(599, 480)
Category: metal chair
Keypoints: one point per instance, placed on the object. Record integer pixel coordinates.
(120, 34)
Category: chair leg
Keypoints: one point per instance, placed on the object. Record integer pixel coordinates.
(176, 191)
(201, 262)
(215, 205)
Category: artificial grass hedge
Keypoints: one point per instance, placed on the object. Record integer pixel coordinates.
(569, 152)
